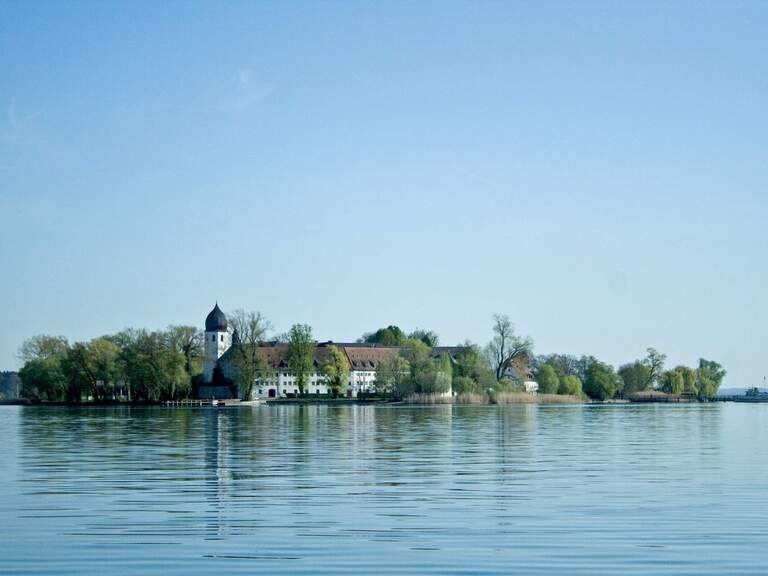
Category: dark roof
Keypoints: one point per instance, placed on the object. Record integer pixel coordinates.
(362, 357)
(216, 321)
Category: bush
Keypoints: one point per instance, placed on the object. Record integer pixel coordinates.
(464, 385)
(547, 379)
(570, 385)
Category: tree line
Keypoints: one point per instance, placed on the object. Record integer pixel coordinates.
(132, 365)
(150, 366)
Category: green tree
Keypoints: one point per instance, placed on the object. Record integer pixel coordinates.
(570, 385)
(389, 336)
(709, 377)
(470, 363)
(547, 379)
(393, 376)
(464, 385)
(635, 376)
(654, 361)
(336, 370)
(429, 337)
(421, 367)
(428, 374)
(249, 331)
(672, 382)
(189, 341)
(439, 381)
(93, 369)
(301, 349)
(507, 385)
(506, 349)
(42, 347)
(564, 364)
(43, 379)
(690, 386)
(42, 374)
(601, 382)
(153, 370)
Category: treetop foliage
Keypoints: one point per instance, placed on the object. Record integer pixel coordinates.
(137, 364)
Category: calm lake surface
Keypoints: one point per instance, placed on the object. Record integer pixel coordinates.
(654, 489)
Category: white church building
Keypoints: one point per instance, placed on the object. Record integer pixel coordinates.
(220, 345)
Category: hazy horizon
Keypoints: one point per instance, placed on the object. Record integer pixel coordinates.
(595, 171)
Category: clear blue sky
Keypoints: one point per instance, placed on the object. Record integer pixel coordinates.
(597, 171)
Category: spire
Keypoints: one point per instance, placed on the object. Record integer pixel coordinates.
(216, 321)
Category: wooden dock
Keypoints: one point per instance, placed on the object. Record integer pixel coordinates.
(190, 403)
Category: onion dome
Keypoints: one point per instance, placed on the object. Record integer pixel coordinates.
(216, 321)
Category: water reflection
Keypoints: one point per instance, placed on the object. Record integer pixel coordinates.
(475, 489)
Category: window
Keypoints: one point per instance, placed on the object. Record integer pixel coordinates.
(213, 338)
(222, 337)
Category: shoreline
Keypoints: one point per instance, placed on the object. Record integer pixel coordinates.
(454, 401)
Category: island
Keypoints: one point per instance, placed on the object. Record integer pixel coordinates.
(237, 358)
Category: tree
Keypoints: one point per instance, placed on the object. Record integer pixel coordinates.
(389, 336)
(92, 368)
(420, 367)
(507, 385)
(635, 376)
(189, 341)
(393, 376)
(564, 364)
(690, 386)
(672, 382)
(506, 348)
(654, 361)
(470, 363)
(42, 347)
(642, 374)
(548, 380)
(439, 381)
(464, 385)
(42, 375)
(709, 376)
(153, 370)
(301, 349)
(429, 337)
(249, 331)
(43, 379)
(570, 385)
(601, 382)
(336, 370)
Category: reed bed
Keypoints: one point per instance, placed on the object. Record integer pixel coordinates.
(469, 398)
(525, 398)
(428, 399)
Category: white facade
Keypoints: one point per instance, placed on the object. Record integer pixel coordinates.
(283, 384)
(531, 386)
(216, 343)
(362, 360)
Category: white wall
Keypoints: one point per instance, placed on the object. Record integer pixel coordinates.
(216, 343)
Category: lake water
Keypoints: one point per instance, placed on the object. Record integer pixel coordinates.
(653, 489)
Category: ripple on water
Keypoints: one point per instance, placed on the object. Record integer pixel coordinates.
(358, 489)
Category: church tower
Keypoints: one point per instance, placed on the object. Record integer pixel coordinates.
(216, 340)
